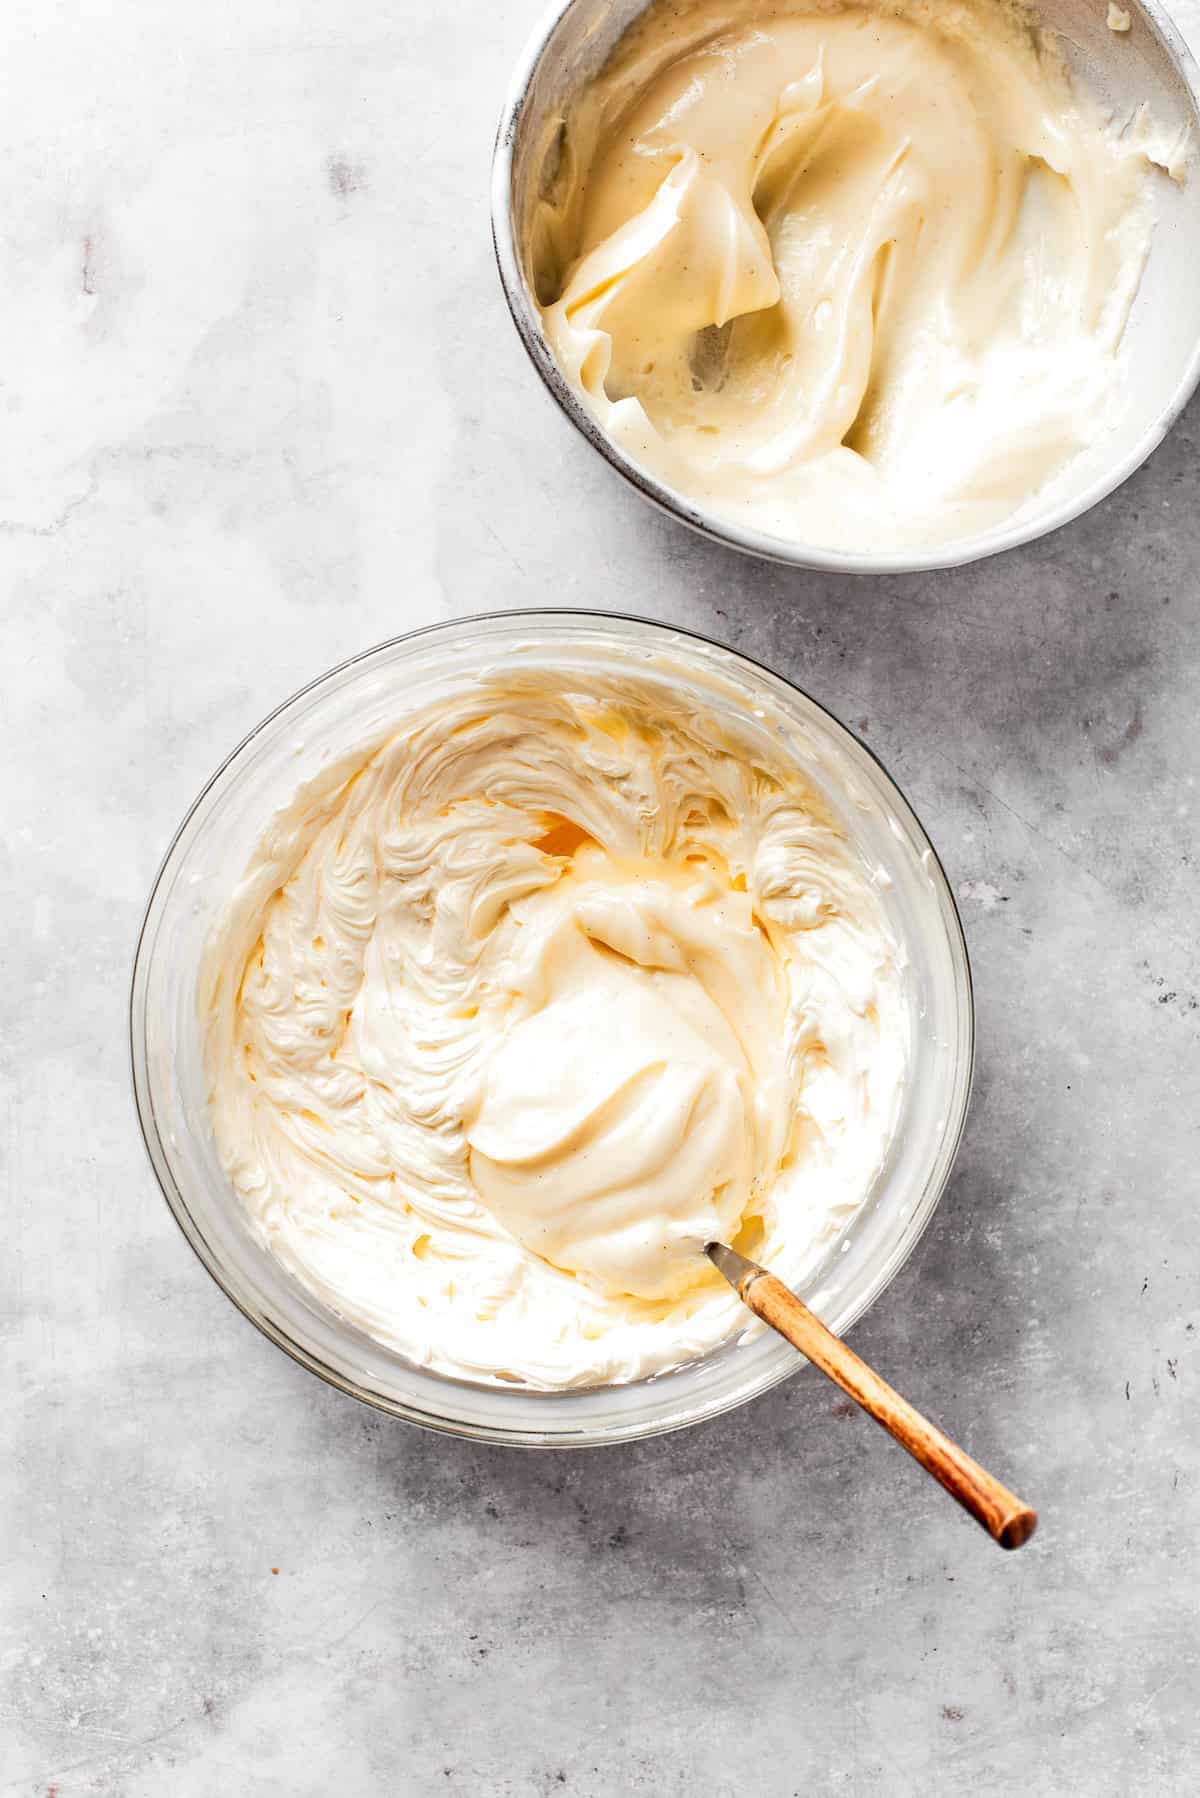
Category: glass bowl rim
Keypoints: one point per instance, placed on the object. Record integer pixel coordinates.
(635, 1429)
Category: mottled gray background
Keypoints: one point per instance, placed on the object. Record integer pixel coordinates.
(261, 407)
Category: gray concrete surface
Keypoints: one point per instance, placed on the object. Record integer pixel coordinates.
(263, 408)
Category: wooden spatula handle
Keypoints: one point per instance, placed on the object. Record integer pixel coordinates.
(1000, 1511)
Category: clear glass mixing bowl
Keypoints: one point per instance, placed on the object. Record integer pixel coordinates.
(344, 708)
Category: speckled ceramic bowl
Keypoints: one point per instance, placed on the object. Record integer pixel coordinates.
(1150, 63)
(345, 708)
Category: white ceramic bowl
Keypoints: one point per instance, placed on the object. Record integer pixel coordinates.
(347, 707)
(1149, 63)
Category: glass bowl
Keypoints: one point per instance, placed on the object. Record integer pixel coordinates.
(344, 708)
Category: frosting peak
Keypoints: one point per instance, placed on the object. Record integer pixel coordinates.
(636, 1099)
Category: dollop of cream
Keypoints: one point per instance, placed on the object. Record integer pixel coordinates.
(518, 1007)
(854, 275)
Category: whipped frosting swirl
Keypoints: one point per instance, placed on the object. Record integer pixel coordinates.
(521, 1004)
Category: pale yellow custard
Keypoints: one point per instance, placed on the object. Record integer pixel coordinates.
(855, 275)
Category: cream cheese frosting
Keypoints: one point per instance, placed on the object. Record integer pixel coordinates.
(524, 1001)
(857, 275)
